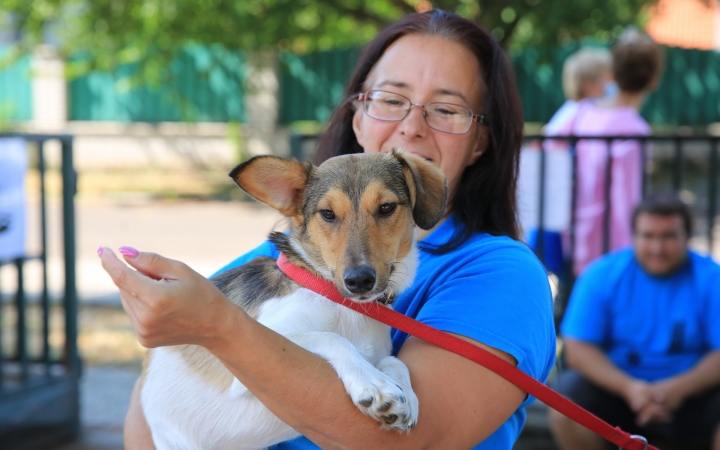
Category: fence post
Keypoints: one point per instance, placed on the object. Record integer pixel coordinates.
(69, 189)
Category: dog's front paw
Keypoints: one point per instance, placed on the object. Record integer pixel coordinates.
(379, 397)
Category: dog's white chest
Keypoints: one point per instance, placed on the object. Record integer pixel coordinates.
(185, 410)
(305, 311)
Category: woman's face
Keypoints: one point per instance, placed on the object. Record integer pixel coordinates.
(427, 69)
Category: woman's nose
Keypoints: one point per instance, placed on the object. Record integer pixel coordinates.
(414, 125)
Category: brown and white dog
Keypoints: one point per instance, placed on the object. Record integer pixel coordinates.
(352, 221)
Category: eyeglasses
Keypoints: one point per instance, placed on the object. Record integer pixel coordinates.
(671, 236)
(445, 117)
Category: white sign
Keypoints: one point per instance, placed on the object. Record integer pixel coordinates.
(13, 165)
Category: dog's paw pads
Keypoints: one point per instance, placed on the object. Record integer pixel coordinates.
(385, 401)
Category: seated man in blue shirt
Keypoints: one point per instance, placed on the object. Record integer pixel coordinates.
(642, 337)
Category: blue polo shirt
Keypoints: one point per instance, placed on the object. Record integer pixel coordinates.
(491, 289)
(651, 327)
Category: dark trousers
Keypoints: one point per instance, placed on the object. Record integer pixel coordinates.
(693, 425)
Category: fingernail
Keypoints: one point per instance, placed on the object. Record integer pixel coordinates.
(100, 251)
(128, 252)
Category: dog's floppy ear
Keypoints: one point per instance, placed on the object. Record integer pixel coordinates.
(277, 182)
(428, 188)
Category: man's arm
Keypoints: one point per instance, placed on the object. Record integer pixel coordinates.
(593, 364)
(703, 376)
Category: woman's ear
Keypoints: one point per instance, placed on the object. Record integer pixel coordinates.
(357, 128)
(480, 147)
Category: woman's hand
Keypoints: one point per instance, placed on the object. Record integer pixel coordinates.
(168, 302)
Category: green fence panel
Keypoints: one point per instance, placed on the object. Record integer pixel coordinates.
(15, 90)
(207, 86)
(312, 85)
(689, 93)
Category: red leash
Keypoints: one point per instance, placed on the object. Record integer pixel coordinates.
(456, 345)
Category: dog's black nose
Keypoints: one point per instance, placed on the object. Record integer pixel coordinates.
(359, 280)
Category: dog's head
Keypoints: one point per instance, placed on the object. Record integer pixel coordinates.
(353, 217)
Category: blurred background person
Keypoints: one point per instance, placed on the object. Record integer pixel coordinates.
(641, 340)
(586, 73)
(637, 65)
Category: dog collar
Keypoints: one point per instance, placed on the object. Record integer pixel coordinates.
(319, 285)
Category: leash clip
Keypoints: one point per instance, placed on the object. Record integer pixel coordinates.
(639, 438)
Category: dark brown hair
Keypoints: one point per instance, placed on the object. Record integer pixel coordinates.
(485, 198)
(665, 204)
(637, 61)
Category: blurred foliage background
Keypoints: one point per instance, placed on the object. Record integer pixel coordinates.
(111, 33)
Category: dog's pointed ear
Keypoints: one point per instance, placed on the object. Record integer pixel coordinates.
(278, 182)
(428, 188)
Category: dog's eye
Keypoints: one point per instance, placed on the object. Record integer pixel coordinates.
(327, 214)
(387, 208)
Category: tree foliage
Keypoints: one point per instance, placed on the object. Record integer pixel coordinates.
(113, 32)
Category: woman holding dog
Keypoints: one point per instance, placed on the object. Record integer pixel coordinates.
(478, 281)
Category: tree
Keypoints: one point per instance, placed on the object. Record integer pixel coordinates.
(150, 32)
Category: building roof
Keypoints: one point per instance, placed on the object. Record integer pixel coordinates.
(686, 23)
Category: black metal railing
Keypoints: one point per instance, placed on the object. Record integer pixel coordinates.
(684, 164)
(664, 167)
(39, 395)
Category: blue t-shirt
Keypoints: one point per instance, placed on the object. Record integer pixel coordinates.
(491, 289)
(650, 327)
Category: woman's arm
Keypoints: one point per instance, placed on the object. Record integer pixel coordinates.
(136, 433)
(461, 403)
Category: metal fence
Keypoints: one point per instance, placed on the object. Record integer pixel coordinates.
(39, 362)
(208, 84)
(684, 164)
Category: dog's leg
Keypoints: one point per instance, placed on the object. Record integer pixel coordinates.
(398, 371)
(375, 393)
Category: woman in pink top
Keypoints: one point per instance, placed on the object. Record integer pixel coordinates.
(637, 63)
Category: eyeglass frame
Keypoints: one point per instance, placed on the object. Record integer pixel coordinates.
(476, 118)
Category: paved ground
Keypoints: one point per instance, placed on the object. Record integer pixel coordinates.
(104, 393)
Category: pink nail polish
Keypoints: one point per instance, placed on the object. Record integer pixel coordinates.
(100, 251)
(128, 252)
